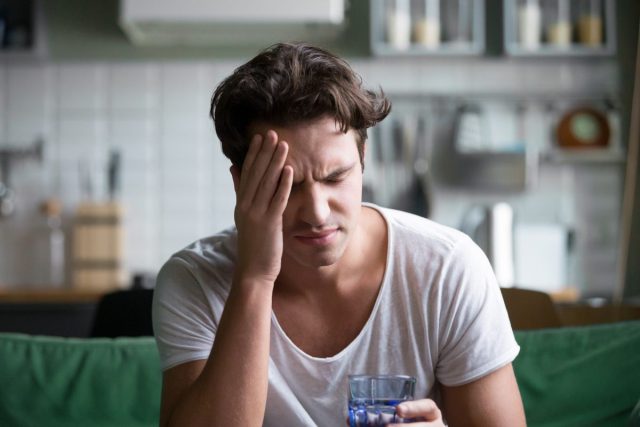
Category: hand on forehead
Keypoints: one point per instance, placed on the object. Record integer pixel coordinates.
(318, 150)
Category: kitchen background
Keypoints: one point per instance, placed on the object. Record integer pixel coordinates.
(96, 102)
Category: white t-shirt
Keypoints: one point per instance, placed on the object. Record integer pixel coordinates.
(439, 316)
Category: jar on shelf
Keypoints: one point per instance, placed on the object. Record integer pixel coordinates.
(590, 18)
(557, 22)
(529, 24)
(398, 23)
(426, 23)
(458, 22)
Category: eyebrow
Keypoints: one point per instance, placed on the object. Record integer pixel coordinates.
(333, 174)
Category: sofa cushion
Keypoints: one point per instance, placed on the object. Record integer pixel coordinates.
(52, 381)
(580, 376)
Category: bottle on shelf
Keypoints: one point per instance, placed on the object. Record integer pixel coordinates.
(590, 23)
(50, 246)
(558, 23)
(426, 27)
(458, 22)
(529, 24)
(398, 23)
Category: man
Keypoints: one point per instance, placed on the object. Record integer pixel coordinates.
(262, 323)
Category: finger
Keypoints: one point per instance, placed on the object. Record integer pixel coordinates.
(423, 408)
(256, 173)
(249, 159)
(254, 148)
(280, 199)
(437, 423)
(272, 176)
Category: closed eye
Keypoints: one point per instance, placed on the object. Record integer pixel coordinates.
(339, 175)
(335, 179)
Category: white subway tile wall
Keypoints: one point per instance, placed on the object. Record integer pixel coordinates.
(133, 88)
(175, 182)
(28, 111)
(81, 89)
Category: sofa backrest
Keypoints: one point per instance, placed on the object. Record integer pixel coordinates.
(53, 381)
(580, 376)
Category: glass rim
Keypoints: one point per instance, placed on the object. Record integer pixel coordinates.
(382, 377)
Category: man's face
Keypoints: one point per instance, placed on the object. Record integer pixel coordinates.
(324, 206)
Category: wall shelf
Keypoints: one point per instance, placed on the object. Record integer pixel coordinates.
(587, 156)
(532, 28)
(427, 28)
(559, 28)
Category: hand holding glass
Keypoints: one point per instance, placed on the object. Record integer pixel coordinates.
(373, 398)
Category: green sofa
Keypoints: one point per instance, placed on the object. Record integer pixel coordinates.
(579, 376)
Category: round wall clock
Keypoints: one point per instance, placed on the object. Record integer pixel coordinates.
(583, 127)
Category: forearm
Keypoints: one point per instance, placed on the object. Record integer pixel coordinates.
(232, 389)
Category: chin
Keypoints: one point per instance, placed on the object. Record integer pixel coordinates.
(310, 258)
(316, 260)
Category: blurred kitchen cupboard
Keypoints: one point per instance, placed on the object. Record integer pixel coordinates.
(457, 27)
(229, 22)
(22, 29)
(559, 27)
(427, 27)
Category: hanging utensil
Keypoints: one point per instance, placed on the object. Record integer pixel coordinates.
(113, 172)
(423, 194)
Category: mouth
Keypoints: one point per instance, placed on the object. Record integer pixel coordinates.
(321, 238)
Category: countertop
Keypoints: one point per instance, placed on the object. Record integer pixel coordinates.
(31, 295)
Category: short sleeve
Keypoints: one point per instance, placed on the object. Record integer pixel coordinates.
(182, 320)
(476, 336)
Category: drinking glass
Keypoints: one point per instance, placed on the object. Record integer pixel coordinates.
(373, 398)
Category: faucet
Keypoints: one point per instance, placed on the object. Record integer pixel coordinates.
(7, 157)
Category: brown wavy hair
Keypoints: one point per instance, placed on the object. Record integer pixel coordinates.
(291, 83)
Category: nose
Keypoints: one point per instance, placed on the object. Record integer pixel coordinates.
(314, 209)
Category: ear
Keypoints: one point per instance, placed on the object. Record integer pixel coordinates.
(235, 175)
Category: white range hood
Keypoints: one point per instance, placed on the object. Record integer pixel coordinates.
(230, 22)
